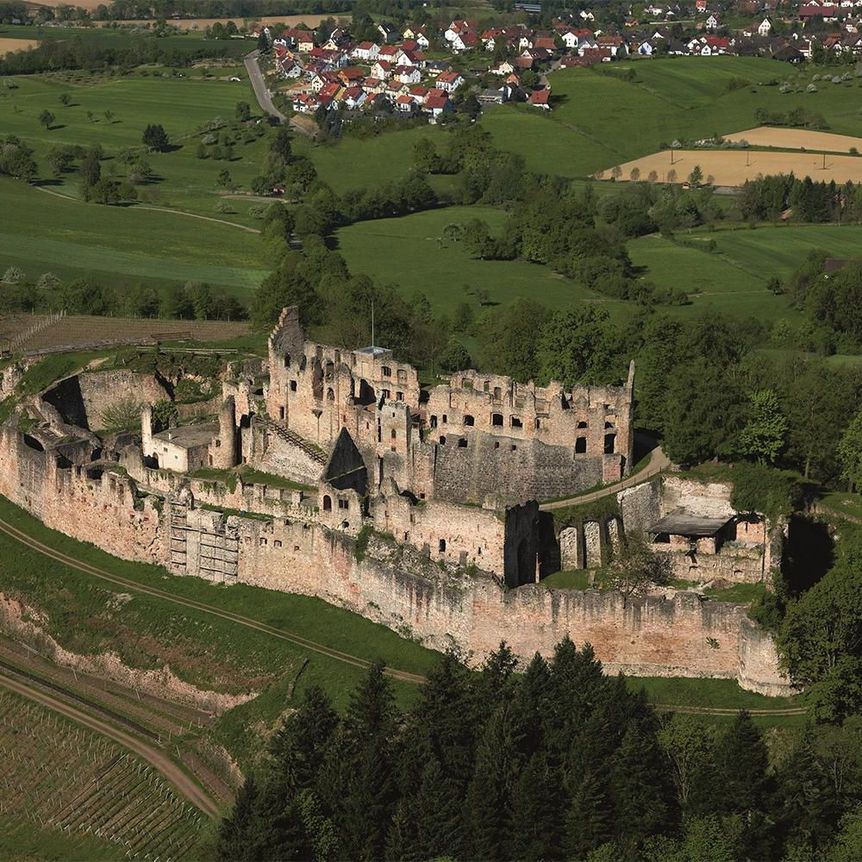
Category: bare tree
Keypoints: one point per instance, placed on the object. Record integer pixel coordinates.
(671, 175)
(635, 174)
(652, 176)
(637, 567)
(616, 172)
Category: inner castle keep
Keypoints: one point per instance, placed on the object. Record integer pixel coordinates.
(475, 436)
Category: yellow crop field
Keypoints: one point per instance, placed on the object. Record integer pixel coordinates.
(797, 139)
(734, 167)
(9, 46)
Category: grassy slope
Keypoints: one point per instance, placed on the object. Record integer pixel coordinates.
(591, 126)
(40, 232)
(733, 278)
(406, 252)
(205, 650)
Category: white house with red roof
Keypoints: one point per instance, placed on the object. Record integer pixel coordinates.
(448, 81)
(437, 103)
(407, 74)
(367, 52)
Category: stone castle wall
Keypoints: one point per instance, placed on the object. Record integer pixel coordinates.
(83, 399)
(392, 584)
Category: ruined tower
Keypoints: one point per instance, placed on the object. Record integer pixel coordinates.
(224, 450)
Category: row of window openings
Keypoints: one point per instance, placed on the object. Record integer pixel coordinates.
(327, 503)
(580, 444)
(497, 421)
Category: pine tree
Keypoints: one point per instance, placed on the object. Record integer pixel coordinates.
(808, 803)
(298, 747)
(742, 761)
(489, 796)
(590, 821)
(357, 779)
(534, 829)
(437, 810)
(640, 788)
(401, 837)
(240, 833)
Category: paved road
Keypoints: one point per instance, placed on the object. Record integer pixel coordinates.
(658, 461)
(134, 586)
(155, 757)
(264, 99)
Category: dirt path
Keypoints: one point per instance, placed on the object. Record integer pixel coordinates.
(658, 461)
(134, 586)
(160, 210)
(150, 754)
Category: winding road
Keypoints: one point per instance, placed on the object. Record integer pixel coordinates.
(658, 462)
(261, 93)
(151, 754)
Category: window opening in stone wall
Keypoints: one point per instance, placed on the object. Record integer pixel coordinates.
(433, 421)
(401, 375)
(276, 543)
(281, 412)
(386, 370)
(497, 444)
(330, 394)
(343, 504)
(327, 503)
(393, 434)
(497, 420)
(580, 445)
(610, 443)
(497, 393)
(582, 424)
(538, 424)
(609, 424)
(399, 396)
(514, 448)
(516, 422)
(442, 441)
(469, 420)
(442, 546)
(211, 460)
(293, 386)
(286, 360)
(462, 443)
(445, 417)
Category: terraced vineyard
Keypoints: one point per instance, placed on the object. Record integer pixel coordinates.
(62, 777)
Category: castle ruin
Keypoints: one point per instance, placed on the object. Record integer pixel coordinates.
(332, 473)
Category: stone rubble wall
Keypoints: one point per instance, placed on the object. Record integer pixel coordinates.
(397, 586)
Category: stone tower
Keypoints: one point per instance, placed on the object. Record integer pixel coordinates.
(224, 453)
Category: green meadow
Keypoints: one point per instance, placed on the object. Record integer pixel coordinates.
(729, 269)
(43, 232)
(410, 252)
(113, 112)
(600, 119)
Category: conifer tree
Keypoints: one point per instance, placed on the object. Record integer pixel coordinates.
(534, 829)
(489, 795)
(240, 833)
(357, 780)
(590, 821)
(640, 787)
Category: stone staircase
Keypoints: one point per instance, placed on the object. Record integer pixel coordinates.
(294, 439)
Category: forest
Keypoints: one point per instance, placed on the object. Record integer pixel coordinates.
(557, 762)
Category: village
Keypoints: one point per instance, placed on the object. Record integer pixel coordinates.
(425, 71)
